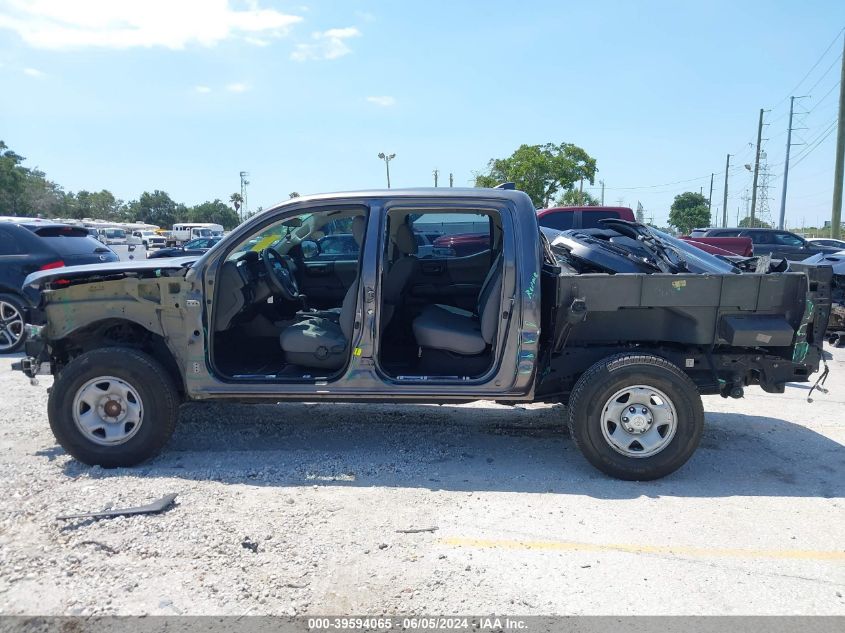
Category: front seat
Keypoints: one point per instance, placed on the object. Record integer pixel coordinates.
(396, 277)
(320, 342)
(454, 330)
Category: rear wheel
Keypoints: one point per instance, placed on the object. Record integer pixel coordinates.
(636, 417)
(113, 407)
(12, 333)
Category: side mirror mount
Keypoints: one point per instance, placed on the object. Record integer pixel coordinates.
(310, 249)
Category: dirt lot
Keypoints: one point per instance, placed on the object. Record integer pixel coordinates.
(296, 509)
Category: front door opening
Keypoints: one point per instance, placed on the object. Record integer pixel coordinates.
(285, 298)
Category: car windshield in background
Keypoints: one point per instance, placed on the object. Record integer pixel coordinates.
(694, 256)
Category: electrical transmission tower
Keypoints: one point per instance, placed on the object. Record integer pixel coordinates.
(244, 206)
(763, 210)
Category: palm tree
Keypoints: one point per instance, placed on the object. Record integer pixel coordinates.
(237, 200)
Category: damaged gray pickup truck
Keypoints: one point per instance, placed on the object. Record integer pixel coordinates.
(338, 298)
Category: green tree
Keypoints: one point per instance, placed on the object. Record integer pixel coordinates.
(216, 212)
(157, 208)
(689, 211)
(12, 181)
(575, 198)
(746, 223)
(293, 194)
(541, 171)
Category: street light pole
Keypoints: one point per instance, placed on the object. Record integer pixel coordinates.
(387, 158)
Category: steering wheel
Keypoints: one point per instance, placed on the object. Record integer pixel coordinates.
(279, 274)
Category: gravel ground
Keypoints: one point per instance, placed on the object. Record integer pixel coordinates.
(296, 509)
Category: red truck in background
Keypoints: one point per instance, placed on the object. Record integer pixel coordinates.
(462, 244)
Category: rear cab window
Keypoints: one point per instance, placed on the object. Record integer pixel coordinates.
(591, 219)
(561, 221)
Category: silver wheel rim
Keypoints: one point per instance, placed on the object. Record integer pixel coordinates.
(108, 411)
(638, 421)
(11, 326)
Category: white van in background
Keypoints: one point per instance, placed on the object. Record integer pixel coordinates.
(187, 231)
(112, 236)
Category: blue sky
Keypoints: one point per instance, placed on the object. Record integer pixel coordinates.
(182, 95)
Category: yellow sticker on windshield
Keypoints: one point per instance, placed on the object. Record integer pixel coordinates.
(357, 351)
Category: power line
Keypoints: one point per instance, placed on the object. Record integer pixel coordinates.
(826, 95)
(809, 151)
(809, 72)
(835, 61)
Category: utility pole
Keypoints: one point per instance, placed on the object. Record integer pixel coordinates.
(710, 198)
(436, 173)
(836, 212)
(581, 191)
(782, 214)
(601, 182)
(451, 179)
(756, 168)
(387, 158)
(725, 199)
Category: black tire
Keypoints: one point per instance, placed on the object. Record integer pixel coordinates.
(17, 304)
(601, 382)
(147, 377)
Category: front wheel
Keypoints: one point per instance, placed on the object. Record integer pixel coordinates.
(113, 407)
(636, 417)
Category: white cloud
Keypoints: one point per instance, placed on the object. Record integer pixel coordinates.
(256, 41)
(383, 101)
(33, 72)
(202, 89)
(329, 44)
(237, 87)
(173, 24)
(366, 16)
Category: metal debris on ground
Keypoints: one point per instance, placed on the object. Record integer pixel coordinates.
(151, 508)
(434, 528)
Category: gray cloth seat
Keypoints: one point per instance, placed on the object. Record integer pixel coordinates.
(454, 330)
(323, 343)
(399, 272)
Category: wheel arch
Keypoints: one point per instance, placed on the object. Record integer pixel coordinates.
(117, 332)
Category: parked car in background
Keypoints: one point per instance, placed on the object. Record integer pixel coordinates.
(826, 241)
(194, 247)
(150, 240)
(774, 242)
(337, 246)
(28, 248)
